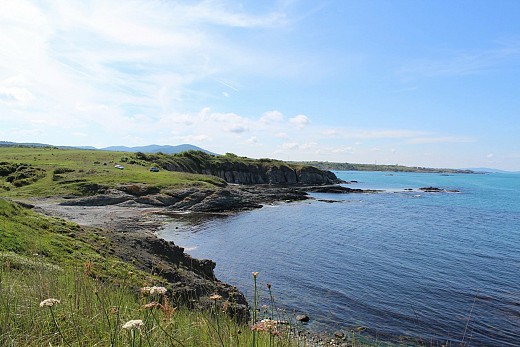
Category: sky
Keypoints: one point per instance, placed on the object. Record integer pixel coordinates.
(408, 82)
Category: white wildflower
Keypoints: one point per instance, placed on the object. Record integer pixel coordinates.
(49, 302)
(133, 324)
(158, 290)
(154, 290)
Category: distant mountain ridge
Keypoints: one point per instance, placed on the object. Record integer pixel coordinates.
(166, 149)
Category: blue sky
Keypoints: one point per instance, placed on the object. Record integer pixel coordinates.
(422, 83)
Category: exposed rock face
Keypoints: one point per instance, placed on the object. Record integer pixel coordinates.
(190, 278)
(231, 198)
(242, 173)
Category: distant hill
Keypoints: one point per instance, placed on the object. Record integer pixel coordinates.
(144, 149)
(27, 144)
(166, 149)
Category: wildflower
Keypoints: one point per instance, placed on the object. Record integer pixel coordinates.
(215, 297)
(49, 302)
(267, 325)
(158, 290)
(133, 324)
(154, 290)
(268, 285)
(255, 274)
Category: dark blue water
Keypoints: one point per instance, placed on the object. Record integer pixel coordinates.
(434, 266)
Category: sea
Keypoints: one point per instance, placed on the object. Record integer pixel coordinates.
(438, 268)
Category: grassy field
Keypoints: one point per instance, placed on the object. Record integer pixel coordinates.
(47, 171)
(43, 258)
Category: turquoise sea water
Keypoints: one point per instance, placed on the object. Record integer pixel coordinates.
(435, 266)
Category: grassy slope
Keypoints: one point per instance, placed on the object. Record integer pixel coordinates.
(43, 257)
(73, 171)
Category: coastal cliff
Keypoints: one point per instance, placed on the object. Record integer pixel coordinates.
(241, 170)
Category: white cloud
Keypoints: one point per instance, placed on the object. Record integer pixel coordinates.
(300, 121)
(236, 128)
(330, 132)
(271, 117)
(290, 145)
(341, 150)
(282, 135)
(308, 145)
(15, 96)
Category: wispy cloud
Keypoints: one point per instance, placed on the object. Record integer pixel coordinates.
(445, 139)
(122, 58)
(300, 121)
(460, 63)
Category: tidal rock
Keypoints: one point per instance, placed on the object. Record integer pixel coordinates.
(302, 318)
(431, 189)
(339, 335)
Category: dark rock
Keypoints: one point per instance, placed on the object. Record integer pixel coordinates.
(25, 204)
(339, 335)
(138, 189)
(431, 189)
(192, 280)
(249, 173)
(331, 189)
(99, 200)
(302, 318)
(328, 201)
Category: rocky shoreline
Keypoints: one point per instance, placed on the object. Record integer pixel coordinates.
(130, 215)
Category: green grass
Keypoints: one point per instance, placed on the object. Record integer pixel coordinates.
(55, 241)
(69, 171)
(43, 257)
(92, 313)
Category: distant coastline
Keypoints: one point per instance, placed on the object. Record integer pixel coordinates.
(332, 166)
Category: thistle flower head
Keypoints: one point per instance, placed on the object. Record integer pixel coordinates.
(49, 302)
(255, 274)
(133, 324)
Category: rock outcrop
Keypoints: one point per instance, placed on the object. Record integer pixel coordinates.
(241, 170)
(241, 173)
(192, 280)
(230, 198)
